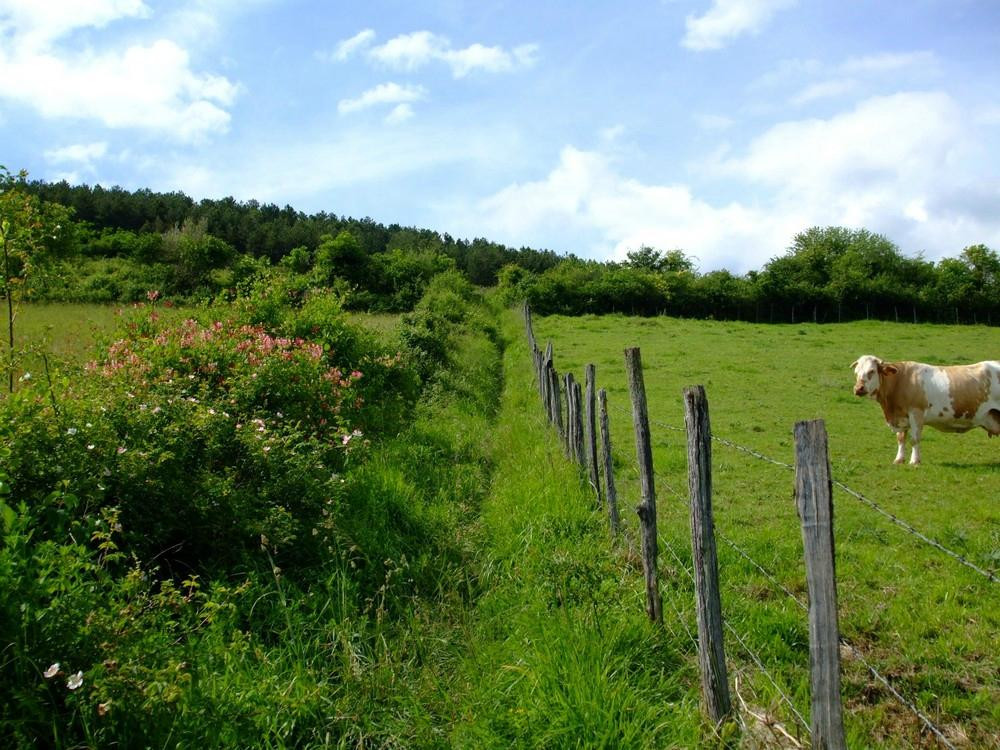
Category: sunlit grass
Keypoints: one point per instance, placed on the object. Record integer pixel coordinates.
(923, 619)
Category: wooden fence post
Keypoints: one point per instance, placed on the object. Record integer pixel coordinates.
(568, 443)
(814, 500)
(609, 474)
(711, 653)
(590, 436)
(555, 401)
(546, 376)
(647, 506)
(578, 451)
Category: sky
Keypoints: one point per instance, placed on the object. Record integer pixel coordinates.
(718, 127)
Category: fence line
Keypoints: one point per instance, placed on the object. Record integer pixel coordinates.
(992, 577)
(904, 525)
(855, 653)
(897, 695)
(750, 652)
(542, 364)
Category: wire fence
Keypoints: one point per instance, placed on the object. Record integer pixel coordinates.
(773, 579)
(909, 528)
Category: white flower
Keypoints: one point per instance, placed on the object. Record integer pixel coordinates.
(90, 446)
(26, 376)
(71, 431)
(51, 672)
(75, 681)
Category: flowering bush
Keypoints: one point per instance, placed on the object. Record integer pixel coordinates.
(207, 436)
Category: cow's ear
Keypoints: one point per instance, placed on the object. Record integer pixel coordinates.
(854, 364)
(888, 369)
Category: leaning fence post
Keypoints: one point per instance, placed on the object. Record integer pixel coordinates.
(647, 507)
(711, 653)
(814, 499)
(590, 375)
(609, 474)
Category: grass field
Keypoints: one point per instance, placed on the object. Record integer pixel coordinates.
(66, 332)
(538, 638)
(922, 619)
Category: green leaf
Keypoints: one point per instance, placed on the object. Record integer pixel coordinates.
(8, 516)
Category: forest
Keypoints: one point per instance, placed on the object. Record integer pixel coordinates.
(113, 245)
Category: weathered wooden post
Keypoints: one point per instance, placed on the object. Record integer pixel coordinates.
(814, 499)
(708, 604)
(569, 443)
(647, 506)
(555, 401)
(609, 474)
(578, 448)
(590, 436)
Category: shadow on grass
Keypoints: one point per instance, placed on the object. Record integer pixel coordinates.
(973, 465)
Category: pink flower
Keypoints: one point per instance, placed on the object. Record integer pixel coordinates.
(152, 295)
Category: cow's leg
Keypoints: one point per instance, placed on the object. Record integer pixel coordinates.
(901, 451)
(916, 428)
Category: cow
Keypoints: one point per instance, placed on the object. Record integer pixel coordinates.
(912, 394)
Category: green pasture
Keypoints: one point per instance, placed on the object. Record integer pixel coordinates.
(64, 331)
(922, 619)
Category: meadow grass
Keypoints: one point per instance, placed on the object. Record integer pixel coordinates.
(928, 623)
(559, 651)
(65, 332)
(485, 605)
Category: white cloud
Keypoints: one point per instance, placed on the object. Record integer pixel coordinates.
(384, 93)
(584, 195)
(825, 90)
(728, 19)
(889, 61)
(400, 113)
(409, 52)
(147, 86)
(348, 47)
(36, 23)
(80, 153)
(856, 76)
(904, 165)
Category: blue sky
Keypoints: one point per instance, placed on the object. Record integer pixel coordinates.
(719, 127)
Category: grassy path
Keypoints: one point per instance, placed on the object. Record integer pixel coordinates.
(558, 651)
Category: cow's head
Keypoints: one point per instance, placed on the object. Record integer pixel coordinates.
(868, 371)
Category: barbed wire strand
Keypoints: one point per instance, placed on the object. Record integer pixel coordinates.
(854, 652)
(803, 605)
(897, 695)
(753, 656)
(990, 576)
(907, 527)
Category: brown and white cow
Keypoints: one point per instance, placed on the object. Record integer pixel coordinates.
(912, 394)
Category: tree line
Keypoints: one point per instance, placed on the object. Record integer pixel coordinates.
(112, 244)
(828, 274)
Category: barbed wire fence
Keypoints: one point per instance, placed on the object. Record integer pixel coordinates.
(574, 435)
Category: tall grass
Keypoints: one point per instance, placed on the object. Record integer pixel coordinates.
(560, 653)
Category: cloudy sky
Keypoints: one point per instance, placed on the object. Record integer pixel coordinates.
(720, 127)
